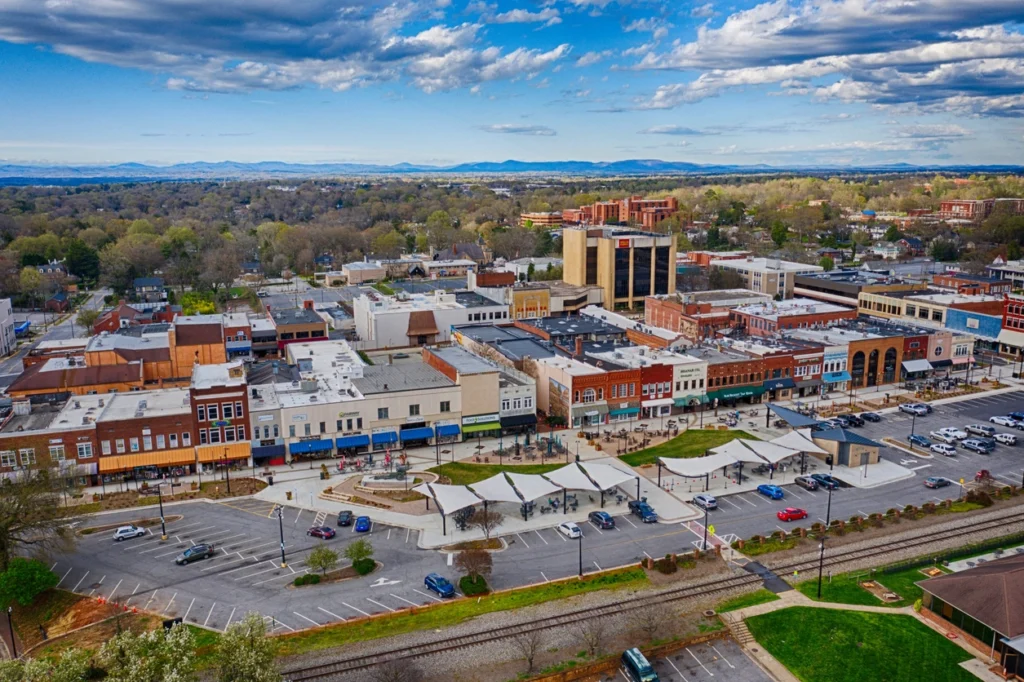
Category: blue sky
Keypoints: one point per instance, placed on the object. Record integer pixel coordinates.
(446, 81)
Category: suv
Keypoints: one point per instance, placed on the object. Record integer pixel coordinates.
(806, 482)
(643, 510)
(944, 449)
(826, 481)
(705, 501)
(977, 445)
(194, 554)
(943, 436)
(980, 430)
(438, 583)
(870, 416)
(128, 532)
(1006, 438)
(914, 408)
(854, 419)
(919, 440)
(601, 519)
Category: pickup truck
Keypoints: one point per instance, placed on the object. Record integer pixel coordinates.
(643, 510)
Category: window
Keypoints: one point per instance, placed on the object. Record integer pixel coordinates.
(229, 434)
(173, 439)
(446, 406)
(186, 439)
(323, 427)
(227, 410)
(348, 424)
(85, 451)
(277, 431)
(307, 429)
(677, 385)
(238, 409)
(160, 441)
(147, 442)
(646, 389)
(382, 413)
(589, 395)
(615, 391)
(414, 410)
(28, 456)
(340, 426)
(211, 411)
(241, 432)
(527, 403)
(120, 445)
(291, 430)
(937, 315)
(632, 390)
(359, 422)
(506, 404)
(8, 458)
(105, 447)
(203, 438)
(201, 411)
(214, 436)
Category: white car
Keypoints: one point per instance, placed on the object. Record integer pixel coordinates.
(1005, 421)
(944, 437)
(570, 530)
(128, 532)
(1005, 438)
(943, 449)
(954, 432)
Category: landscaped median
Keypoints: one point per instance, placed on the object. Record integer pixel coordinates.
(690, 443)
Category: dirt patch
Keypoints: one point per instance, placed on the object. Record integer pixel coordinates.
(147, 496)
(880, 591)
(141, 523)
(689, 570)
(59, 612)
(399, 495)
(93, 637)
(494, 545)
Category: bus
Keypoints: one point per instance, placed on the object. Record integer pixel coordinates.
(636, 666)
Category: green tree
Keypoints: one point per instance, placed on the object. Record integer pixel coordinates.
(154, 656)
(715, 239)
(82, 261)
(780, 233)
(893, 234)
(944, 250)
(322, 558)
(389, 244)
(530, 272)
(24, 580)
(827, 263)
(87, 318)
(72, 666)
(32, 283)
(360, 553)
(245, 653)
(1013, 251)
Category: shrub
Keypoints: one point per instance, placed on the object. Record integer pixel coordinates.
(299, 581)
(471, 587)
(917, 605)
(312, 579)
(666, 565)
(364, 566)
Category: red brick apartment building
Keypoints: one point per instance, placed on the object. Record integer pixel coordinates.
(635, 211)
(966, 283)
(978, 209)
(220, 410)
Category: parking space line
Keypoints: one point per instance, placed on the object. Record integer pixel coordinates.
(278, 621)
(541, 536)
(596, 528)
(151, 598)
(331, 614)
(417, 592)
(53, 567)
(297, 517)
(743, 497)
(112, 592)
(355, 609)
(287, 575)
(408, 531)
(678, 671)
(229, 619)
(389, 534)
(237, 568)
(626, 519)
(723, 657)
(560, 536)
(648, 555)
(65, 576)
(209, 614)
(701, 664)
(522, 540)
(93, 591)
(274, 567)
(862, 513)
(383, 606)
(189, 609)
(544, 576)
(403, 599)
(168, 607)
(598, 567)
(725, 499)
(304, 618)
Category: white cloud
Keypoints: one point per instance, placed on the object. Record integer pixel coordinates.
(548, 16)
(656, 27)
(463, 67)
(518, 129)
(673, 130)
(703, 11)
(591, 58)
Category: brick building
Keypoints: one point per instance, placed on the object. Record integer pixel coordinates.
(146, 431)
(768, 319)
(1011, 336)
(732, 376)
(699, 314)
(59, 377)
(966, 283)
(220, 412)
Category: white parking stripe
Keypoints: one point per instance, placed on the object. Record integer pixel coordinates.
(522, 540)
(541, 537)
(596, 528)
(355, 609)
(53, 567)
(701, 664)
(723, 657)
(189, 609)
(544, 576)
(93, 590)
(744, 498)
(598, 567)
(151, 598)
(725, 499)
(678, 671)
(168, 607)
(274, 566)
(209, 614)
(422, 593)
(383, 606)
(331, 614)
(228, 624)
(114, 591)
(404, 599)
(276, 577)
(65, 576)
(626, 519)
(304, 618)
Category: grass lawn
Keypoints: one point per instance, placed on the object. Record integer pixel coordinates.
(384, 289)
(463, 473)
(844, 588)
(823, 645)
(690, 443)
(761, 596)
(452, 613)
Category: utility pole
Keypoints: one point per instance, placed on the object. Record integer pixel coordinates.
(581, 557)
(280, 524)
(163, 525)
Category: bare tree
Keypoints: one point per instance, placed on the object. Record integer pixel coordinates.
(590, 632)
(33, 518)
(396, 670)
(486, 520)
(649, 620)
(528, 643)
(474, 563)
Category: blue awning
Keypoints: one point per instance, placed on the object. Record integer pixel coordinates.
(385, 437)
(836, 377)
(307, 446)
(359, 441)
(267, 451)
(420, 433)
(448, 430)
(776, 384)
(628, 410)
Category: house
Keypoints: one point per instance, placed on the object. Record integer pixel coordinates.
(887, 250)
(52, 269)
(480, 255)
(324, 261)
(58, 303)
(828, 252)
(149, 289)
(251, 267)
(912, 246)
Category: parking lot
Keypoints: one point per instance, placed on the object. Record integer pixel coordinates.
(719, 658)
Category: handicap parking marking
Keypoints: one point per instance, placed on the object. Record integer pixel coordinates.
(430, 596)
(355, 609)
(334, 615)
(305, 618)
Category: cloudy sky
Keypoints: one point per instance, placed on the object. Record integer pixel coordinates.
(443, 81)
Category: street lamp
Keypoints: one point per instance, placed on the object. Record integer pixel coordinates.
(227, 469)
(280, 524)
(828, 519)
(581, 560)
(163, 525)
(705, 546)
(14, 645)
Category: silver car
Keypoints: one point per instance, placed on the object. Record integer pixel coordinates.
(705, 501)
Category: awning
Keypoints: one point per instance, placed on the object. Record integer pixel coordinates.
(845, 436)
(917, 366)
(696, 466)
(963, 360)
(776, 384)
(799, 440)
(419, 433)
(358, 441)
(772, 452)
(447, 430)
(942, 363)
(737, 449)
(792, 417)
(691, 400)
(836, 377)
(808, 383)
(735, 392)
(606, 476)
(495, 489)
(384, 437)
(163, 458)
(1011, 337)
(589, 410)
(659, 402)
(307, 446)
(222, 452)
(532, 486)
(624, 411)
(518, 420)
(267, 451)
(571, 477)
(449, 498)
(474, 428)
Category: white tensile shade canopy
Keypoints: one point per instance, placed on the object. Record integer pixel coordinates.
(532, 486)
(606, 476)
(799, 440)
(495, 489)
(449, 498)
(696, 467)
(571, 477)
(738, 450)
(772, 452)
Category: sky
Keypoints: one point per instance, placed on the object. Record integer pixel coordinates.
(449, 81)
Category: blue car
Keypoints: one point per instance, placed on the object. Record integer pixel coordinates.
(363, 524)
(772, 491)
(919, 441)
(438, 583)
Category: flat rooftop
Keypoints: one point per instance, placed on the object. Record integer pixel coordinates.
(716, 355)
(793, 306)
(471, 299)
(517, 349)
(261, 324)
(766, 264)
(575, 325)
(634, 357)
(570, 366)
(488, 333)
(362, 265)
(215, 376)
(62, 344)
(213, 318)
(463, 361)
(103, 342)
(162, 403)
(40, 418)
(715, 297)
(378, 379)
(295, 316)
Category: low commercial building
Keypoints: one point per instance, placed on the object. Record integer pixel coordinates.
(845, 286)
(8, 342)
(541, 219)
(419, 319)
(409, 404)
(670, 382)
(791, 367)
(874, 351)
(523, 268)
(1011, 271)
(59, 348)
(57, 437)
(733, 376)
(220, 410)
(566, 331)
(637, 331)
(703, 259)
(771, 276)
(60, 377)
(363, 272)
(143, 434)
(698, 315)
(459, 267)
(582, 395)
(296, 325)
(775, 317)
(968, 284)
(930, 305)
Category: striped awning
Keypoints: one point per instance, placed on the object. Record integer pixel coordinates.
(162, 458)
(223, 451)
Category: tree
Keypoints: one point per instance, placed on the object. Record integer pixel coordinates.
(322, 558)
(650, 619)
(827, 263)
(24, 580)
(32, 282)
(82, 261)
(474, 563)
(719, 278)
(515, 242)
(780, 233)
(221, 266)
(87, 318)
(154, 656)
(396, 670)
(72, 666)
(944, 250)
(893, 234)
(1013, 251)
(389, 244)
(590, 632)
(360, 553)
(245, 653)
(32, 518)
(715, 239)
(486, 520)
(530, 272)
(528, 644)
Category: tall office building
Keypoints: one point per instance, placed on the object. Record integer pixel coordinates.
(629, 265)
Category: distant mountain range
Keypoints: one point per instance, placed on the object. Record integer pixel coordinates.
(12, 174)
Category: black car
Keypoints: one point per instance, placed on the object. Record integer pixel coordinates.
(346, 517)
(870, 416)
(854, 420)
(601, 519)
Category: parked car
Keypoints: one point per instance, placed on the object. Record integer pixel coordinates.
(643, 510)
(128, 532)
(601, 519)
(919, 440)
(1004, 421)
(953, 431)
(927, 407)
(826, 481)
(772, 491)
(346, 517)
(914, 408)
(833, 423)
(977, 445)
(980, 429)
(570, 530)
(438, 583)
(942, 436)
(843, 421)
(943, 449)
(854, 420)
(1019, 416)
(806, 482)
(194, 554)
(325, 532)
(1006, 438)
(705, 501)
(936, 482)
(870, 416)
(363, 524)
(792, 514)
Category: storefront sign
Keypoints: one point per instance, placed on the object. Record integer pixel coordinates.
(480, 419)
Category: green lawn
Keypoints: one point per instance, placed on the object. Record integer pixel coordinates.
(761, 596)
(384, 289)
(824, 645)
(844, 588)
(690, 443)
(464, 473)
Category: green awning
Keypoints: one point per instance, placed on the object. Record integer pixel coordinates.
(687, 401)
(489, 426)
(736, 392)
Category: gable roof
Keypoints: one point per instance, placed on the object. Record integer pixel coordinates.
(992, 593)
(844, 436)
(148, 282)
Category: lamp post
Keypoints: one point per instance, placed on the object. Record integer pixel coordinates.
(913, 426)
(227, 469)
(14, 646)
(581, 562)
(828, 519)
(280, 525)
(704, 547)
(163, 525)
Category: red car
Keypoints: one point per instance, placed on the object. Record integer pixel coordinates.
(325, 532)
(792, 514)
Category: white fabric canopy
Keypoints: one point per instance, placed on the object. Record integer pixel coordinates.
(738, 450)
(772, 452)
(659, 402)
(571, 477)
(450, 498)
(495, 489)
(532, 486)
(799, 440)
(606, 476)
(917, 365)
(697, 466)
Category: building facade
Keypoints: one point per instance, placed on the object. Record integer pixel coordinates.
(629, 266)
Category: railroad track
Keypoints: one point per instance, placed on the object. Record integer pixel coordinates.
(345, 666)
